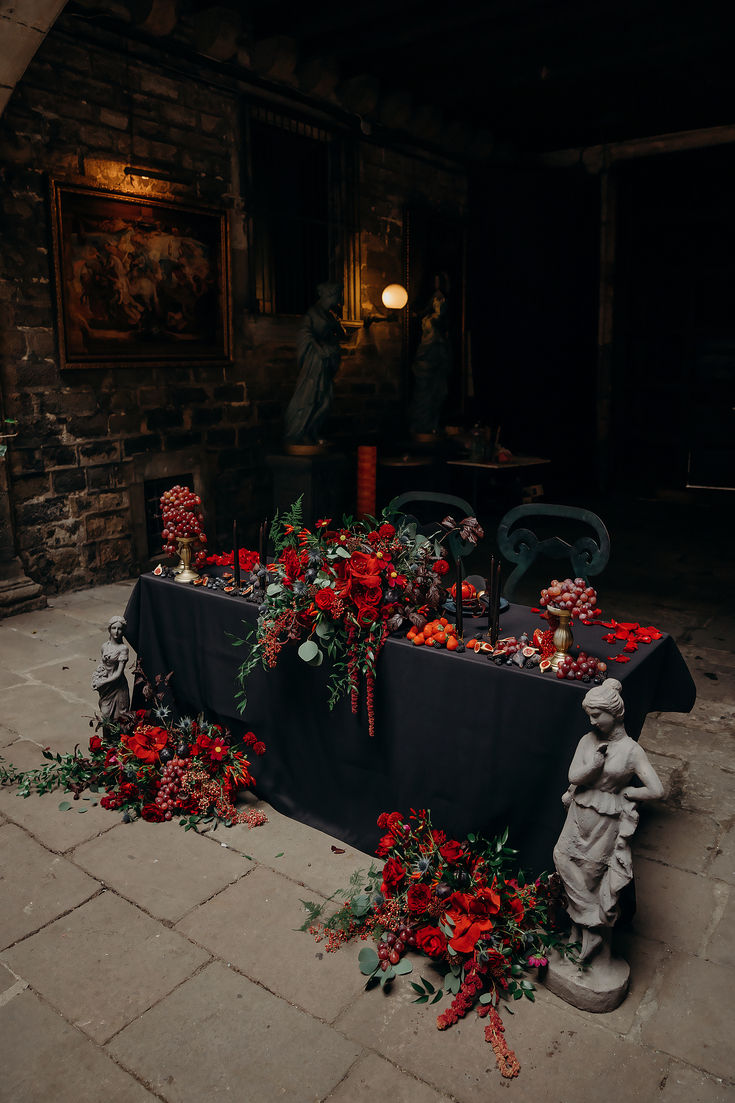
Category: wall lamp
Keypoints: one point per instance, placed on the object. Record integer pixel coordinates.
(394, 298)
(179, 177)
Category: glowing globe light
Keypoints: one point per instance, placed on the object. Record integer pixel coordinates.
(394, 296)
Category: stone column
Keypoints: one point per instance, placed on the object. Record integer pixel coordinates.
(18, 593)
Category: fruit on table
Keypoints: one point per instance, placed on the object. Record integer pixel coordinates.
(575, 594)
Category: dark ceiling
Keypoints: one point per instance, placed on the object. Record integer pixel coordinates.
(527, 75)
(539, 74)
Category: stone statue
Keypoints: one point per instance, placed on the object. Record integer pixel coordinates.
(593, 856)
(318, 356)
(109, 678)
(431, 367)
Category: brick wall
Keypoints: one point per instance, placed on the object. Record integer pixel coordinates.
(81, 113)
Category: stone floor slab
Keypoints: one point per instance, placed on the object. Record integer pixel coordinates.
(688, 1085)
(165, 870)
(686, 840)
(46, 716)
(673, 906)
(710, 788)
(299, 852)
(219, 1036)
(9, 678)
(373, 1078)
(40, 815)
(21, 653)
(104, 964)
(36, 886)
(253, 925)
(73, 676)
(723, 865)
(564, 1058)
(693, 1018)
(720, 946)
(43, 1058)
(684, 740)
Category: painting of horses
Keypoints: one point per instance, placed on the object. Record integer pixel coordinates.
(138, 280)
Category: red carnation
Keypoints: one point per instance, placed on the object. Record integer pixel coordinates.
(259, 747)
(386, 531)
(249, 739)
(441, 566)
(431, 941)
(385, 846)
(418, 898)
(383, 819)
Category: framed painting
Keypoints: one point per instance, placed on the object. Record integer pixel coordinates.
(138, 280)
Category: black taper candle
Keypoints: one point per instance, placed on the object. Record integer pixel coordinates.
(261, 542)
(496, 602)
(490, 593)
(235, 555)
(459, 615)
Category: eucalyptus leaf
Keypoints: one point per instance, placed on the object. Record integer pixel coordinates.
(368, 961)
(65, 806)
(404, 966)
(486, 997)
(339, 550)
(323, 630)
(308, 651)
(273, 589)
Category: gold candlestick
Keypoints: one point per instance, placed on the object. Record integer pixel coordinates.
(563, 638)
(185, 571)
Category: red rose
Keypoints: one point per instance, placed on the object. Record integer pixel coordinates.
(386, 531)
(127, 790)
(431, 941)
(95, 743)
(451, 851)
(393, 874)
(418, 898)
(152, 813)
(441, 566)
(325, 598)
(145, 742)
(364, 569)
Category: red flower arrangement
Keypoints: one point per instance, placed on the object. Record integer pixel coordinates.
(457, 904)
(151, 767)
(341, 592)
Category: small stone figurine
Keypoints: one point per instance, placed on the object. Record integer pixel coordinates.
(593, 856)
(109, 676)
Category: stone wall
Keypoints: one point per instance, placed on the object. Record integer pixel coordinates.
(87, 438)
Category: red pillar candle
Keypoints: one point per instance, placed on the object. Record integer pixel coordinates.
(367, 464)
(235, 554)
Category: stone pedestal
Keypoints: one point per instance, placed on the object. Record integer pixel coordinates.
(323, 480)
(601, 986)
(18, 593)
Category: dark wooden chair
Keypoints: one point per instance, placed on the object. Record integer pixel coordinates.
(588, 555)
(429, 509)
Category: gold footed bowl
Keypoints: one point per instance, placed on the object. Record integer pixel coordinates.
(185, 572)
(563, 638)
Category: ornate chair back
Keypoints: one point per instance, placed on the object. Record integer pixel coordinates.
(445, 504)
(588, 554)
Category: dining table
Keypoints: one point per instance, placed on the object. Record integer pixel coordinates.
(481, 746)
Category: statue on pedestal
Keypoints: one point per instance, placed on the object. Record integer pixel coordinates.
(431, 367)
(109, 678)
(318, 353)
(593, 856)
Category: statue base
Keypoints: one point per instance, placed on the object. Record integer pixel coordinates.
(305, 449)
(601, 986)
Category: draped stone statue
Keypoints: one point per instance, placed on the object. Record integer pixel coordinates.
(318, 356)
(593, 856)
(109, 678)
(431, 367)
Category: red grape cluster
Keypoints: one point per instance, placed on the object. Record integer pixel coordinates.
(394, 944)
(182, 516)
(585, 668)
(572, 594)
(171, 776)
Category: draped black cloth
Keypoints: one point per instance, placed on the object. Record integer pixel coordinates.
(482, 746)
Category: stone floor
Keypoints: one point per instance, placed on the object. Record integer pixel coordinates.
(140, 962)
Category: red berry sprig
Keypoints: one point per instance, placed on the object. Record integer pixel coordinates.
(182, 517)
(572, 594)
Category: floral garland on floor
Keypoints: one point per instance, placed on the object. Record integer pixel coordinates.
(151, 767)
(456, 903)
(342, 591)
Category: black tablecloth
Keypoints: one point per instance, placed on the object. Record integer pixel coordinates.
(481, 746)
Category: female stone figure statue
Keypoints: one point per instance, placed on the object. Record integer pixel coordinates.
(431, 367)
(318, 355)
(593, 856)
(109, 678)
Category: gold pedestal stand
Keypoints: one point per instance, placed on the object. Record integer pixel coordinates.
(563, 638)
(185, 571)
